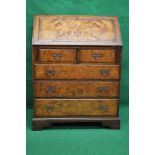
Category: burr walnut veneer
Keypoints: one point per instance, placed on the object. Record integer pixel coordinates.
(76, 62)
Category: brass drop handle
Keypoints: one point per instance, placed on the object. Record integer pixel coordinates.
(103, 89)
(49, 108)
(103, 108)
(49, 72)
(97, 55)
(104, 72)
(57, 55)
(50, 90)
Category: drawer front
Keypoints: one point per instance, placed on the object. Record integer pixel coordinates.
(77, 72)
(99, 56)
(75, 107)
(76, 89)
(57, 55)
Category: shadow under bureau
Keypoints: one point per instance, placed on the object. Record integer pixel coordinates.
(76, 62)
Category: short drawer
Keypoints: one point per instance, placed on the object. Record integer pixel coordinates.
(76, 89)
(57, 55)
(98, 56)
(75, 107)
(76, 71)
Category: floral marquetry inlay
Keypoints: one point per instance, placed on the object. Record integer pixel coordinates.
(76, 30)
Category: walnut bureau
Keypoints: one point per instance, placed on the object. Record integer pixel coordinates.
(76, 62)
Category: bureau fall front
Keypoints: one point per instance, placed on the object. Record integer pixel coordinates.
(76, 63)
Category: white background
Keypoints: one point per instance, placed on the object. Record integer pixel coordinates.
(13, 77)
(142, 77)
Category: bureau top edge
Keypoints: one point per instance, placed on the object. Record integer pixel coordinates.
(65, 30)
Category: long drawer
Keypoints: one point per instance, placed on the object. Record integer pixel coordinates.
(73, 89)
(79, 71)
(75, 107)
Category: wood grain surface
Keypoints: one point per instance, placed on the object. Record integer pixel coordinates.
(78, 71)
(75, 107)
(76, 30)
(57, 55)
(76, 66)
(98, 56)
(78, 89)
